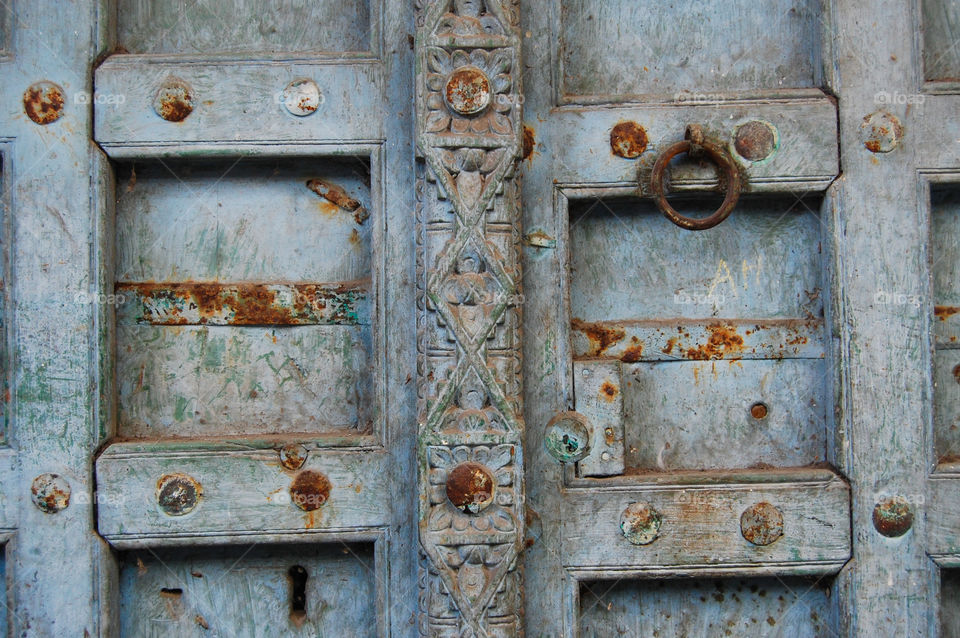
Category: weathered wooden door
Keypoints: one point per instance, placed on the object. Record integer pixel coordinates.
(273, 367)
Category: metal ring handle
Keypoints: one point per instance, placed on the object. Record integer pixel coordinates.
(694, 143)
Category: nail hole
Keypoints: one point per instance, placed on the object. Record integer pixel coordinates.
(758, 410)
(174, 592)
(298, 600)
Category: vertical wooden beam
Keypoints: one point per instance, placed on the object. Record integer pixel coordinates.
(888, 587)
(469, 367)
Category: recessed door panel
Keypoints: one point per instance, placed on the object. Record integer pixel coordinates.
(261, 26)
(267, 590)
(945, 232)
(243, 298)
(768, 607)
(719, 335)
(611, 50)
(941, 27)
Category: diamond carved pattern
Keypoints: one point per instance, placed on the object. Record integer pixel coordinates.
(469, 379)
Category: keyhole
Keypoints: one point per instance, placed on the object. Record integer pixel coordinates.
(298, 601)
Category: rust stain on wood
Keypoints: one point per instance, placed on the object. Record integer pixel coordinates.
(243, 304)
(945, 312)
(601, 337)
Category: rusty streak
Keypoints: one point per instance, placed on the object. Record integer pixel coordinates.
(337, 196)
(246, 304)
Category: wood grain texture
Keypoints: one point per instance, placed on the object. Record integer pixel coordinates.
(243, 494)
(617, 50)
(242, 26)
(768, 606)
(236, 102)
(701, 530)
(469, 376)
(248, 591)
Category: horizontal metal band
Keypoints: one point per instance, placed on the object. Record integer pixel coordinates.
(703, 340)
(244, 304)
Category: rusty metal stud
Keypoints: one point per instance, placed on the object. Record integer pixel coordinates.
(893, 516)
(628, 140)
(302, 97)
(293, 456)
(43, 102)
(309, 490)
(178, 494)
(956, 372)
(471, 487)
(696, 142)
(759, 410)
(756, 140)
(50, 493)
(640, 523)
(468, 91)
(881, 132)
(568, 437)
(174, 100)
(761, 524)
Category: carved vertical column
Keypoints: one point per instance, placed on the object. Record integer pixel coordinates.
(469, 367)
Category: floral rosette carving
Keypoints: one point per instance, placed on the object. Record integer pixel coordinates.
(469, 92)
(493, 464)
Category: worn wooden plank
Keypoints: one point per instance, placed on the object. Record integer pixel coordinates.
(215, 381)
(619, 50)
(724, 415)
(768, 606)
(575, 148)
(9, 477)
(244, 494)
(700, 530)
(941, 29)
(887, 347)
(241, 220)
(245, 26)
(943, 519)
(235, 102)
(628, 262)
(249, 591)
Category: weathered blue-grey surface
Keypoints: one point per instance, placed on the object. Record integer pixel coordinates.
(271, 366)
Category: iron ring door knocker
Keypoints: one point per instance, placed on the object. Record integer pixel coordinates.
(694, 142)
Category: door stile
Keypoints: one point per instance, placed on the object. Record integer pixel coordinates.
(469, 369)
(890, 581)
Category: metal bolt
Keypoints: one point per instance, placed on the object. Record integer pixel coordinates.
(468, 91)
(470, 487)
(640, 523)
(174, 100)
(302, 97)
(893, 516)
(881, 132)
(759, 410)
(756, 140)
(761, 524)
(293, 456)
(43, 102)
(309, 490)
(50, 493)
(178, 494)
(568, 437)
(628, 140)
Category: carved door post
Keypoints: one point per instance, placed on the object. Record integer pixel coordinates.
(469, 367)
